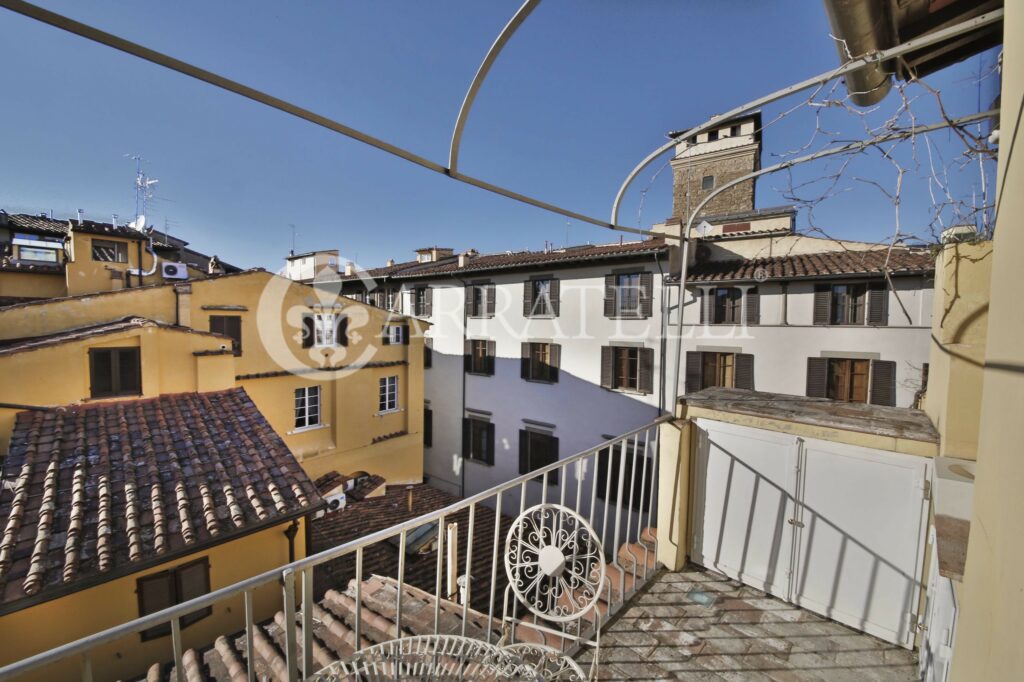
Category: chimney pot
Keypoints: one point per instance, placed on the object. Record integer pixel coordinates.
(80, 214)
(391, 262)
(350, 269)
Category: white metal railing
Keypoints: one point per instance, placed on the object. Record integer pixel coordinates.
(633, 508)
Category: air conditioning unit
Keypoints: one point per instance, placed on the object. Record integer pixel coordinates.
(335, 503)
(174, 270)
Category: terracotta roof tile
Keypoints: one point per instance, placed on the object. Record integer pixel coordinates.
(9, 346)
(114, 486)
(823, 264)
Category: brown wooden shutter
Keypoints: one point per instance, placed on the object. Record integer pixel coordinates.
(822, 304)
(753, 306)
(428, 302)
(428, 353)
(524, 451)
(428, 427)
(307, 330)
(556, 361)
(489, 443)
(524, 361)
(405, 335)
(528, 298)
(491, 295)
(470, 301)
(694, 371)
(555, 292)
(645, 382)
(467, 355)
(646, 294)
(883, 382)
(609, 296)
(551, 450)
(491, 353)
(817, 377)
(744, 376)
(341, 330)
(878, 305)
(607, 365)
(466, 426)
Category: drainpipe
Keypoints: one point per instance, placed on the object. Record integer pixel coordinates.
(862, 27)
(465, 320)
(139, 272)
(290, 532)
(664, 328)
(684, 237)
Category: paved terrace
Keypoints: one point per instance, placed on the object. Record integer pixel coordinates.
(665, 632)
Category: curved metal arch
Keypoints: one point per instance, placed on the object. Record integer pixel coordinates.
(867, 60)
(481, 73)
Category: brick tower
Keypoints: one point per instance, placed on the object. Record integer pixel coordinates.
(706, 161)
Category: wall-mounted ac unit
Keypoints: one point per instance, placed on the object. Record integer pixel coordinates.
(174, 270)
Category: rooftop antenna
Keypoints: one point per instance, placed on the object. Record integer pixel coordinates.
(568, 223)
(143, 191)
(292, 225)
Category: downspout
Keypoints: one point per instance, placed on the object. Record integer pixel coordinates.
(684, 235)
(290, 532)
(139, 272)
(462, 414)
(664, 328)
(861, 27)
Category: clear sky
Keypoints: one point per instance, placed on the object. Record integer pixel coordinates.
(585, 89)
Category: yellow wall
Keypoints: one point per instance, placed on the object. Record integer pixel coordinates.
(86, 276)
(59, 621)
(32, 284)
(991, 620)
(271, 310)
(59, 374)
(959, 328)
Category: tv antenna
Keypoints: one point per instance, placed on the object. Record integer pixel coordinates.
(144, 187)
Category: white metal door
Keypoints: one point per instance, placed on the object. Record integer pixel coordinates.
(742, 483)
(835, 528)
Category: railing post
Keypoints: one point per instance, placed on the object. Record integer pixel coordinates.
(250, 655)
(358, 629)
(179, 665)
(494, 565)
(440, 573)
(291, 659)
(468, 575)
(401, 585)
(307, 622)
(86, 668)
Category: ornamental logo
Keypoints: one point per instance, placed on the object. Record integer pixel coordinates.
(304, 333)
(760, 274)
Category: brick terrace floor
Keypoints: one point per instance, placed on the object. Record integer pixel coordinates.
(745, 635)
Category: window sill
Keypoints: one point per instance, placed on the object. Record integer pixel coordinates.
(478, 461)
(628, 317)
(383, 413)
(114, 395)
(627, 391)
(480, 374)
(306, 429)
(550, 316)
(540, 381)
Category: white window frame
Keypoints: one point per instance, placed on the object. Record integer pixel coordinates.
(37, 254)
(621, 288)
(394, 334)
(324, 325)
(387, 399)
(307, 397)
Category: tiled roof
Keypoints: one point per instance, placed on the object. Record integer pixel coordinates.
(9, 346)
(825, 264)
(107, 489)
(373, 514)
(15, 300)
(8, 264)
(504, 261)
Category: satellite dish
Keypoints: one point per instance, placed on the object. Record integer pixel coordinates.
(704, 229)
(140, 222)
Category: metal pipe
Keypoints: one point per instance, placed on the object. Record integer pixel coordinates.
(849, 67)
(861, 27)
(481, 73)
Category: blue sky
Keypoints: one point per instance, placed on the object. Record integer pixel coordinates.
(585, 90)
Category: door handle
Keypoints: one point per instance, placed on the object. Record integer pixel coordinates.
(794, 522)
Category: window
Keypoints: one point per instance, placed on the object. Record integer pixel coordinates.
(540, 298)
(712, 135)
(536, 450)
(636, 469)
(428, 353)
(480, 356)
(231, 326)
(847, 380)
(627, 368)
(109, 252)
(540, 361)
(307, 407)
(705, 369)
(114, 372)
(707, 182)
(37, 255)
(734, 131)
(395, 334)
(727, 307)
(428, 427)
(848, 303)
(388, 401)
(628, 295)
(391, 299)
(478, 440)
(159, 591)
(480, 298)
(324, 330)
(422, 301)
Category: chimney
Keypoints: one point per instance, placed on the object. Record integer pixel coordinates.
(113, 220)
(183, 314)
(80, 214)
(391, 262)
(463, 259)
(350, 269)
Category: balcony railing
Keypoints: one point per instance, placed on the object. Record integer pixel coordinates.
(613, 486)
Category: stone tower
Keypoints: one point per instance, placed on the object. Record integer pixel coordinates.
(706, 161)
